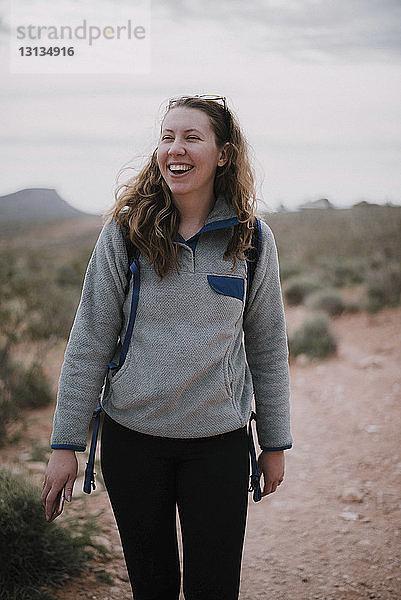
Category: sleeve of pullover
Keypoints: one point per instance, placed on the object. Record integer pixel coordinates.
(92, 340)
(266, 349)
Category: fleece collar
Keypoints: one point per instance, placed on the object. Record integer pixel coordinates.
(223, 214)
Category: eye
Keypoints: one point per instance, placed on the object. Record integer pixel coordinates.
(167, 137)
(193, 137)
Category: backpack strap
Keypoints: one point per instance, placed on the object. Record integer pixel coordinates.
(252, 260)
(252, 255)
(132, 251)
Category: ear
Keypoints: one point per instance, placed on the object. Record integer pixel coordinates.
(223, 156)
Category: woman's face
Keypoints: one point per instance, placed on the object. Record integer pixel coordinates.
(187, 153)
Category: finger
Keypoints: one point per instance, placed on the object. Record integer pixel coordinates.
(55, 513)
(57, 509)
(43, 496)
(46, 489)
(58, 505)
(69, 486)
(267, 488)
(50, 505)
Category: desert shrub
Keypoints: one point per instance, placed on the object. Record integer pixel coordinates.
(384, 288)
(30, 388)
(39, 452)
(40, 280)
(347, 273)
(340, 272)
(39, 298)
(298, 288)
(20, 387)
(343, 234)
(353, 306)
(8, 413)
(70, 274)
(33, 308)
(328, 301)
(340, 247)
(289, 269)
(35, 553)
(313, 338)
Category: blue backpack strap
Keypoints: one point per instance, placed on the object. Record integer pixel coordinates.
(252, 260)
(253, 254)
(133, 256)
(135, 274)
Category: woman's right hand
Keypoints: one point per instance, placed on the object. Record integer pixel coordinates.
(61, 473)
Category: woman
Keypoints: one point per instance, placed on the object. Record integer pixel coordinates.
(176, 410)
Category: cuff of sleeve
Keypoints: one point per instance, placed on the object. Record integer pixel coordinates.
(276, 449)
(68, 447)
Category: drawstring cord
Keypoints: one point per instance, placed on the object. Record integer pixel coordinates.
(89, 481)
(255, 473)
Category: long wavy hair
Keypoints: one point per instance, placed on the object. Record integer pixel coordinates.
(145, 208)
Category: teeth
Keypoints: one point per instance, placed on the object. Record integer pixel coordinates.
(180, 167)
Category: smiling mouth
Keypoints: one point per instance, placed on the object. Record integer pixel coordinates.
(179, 169)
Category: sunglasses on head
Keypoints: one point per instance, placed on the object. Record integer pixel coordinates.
(208, 97)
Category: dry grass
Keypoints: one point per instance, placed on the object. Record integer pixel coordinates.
(342, 248)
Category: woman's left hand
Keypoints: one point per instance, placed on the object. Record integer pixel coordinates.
(271, 464)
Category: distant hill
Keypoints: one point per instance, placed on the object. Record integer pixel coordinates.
(321, 203)
(364, 204)
(36, 204)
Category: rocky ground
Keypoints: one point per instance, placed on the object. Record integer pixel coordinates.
(333, 529)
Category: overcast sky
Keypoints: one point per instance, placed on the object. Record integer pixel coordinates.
(314, 83)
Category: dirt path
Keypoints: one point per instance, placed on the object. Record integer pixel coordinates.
(333, 530)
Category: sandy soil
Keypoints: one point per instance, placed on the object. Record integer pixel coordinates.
(333, 529)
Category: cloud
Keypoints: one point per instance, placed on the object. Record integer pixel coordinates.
(344, 31)
(302, 30)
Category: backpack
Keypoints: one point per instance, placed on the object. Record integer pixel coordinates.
(252, 256)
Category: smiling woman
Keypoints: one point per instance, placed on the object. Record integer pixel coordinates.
(204, 336)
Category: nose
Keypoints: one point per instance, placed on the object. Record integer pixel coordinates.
(176, 147)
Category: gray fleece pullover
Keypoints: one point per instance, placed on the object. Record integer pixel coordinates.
(197, 353)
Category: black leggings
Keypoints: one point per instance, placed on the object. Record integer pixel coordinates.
(207, 478)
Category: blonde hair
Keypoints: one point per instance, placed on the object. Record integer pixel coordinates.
(144, 204)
